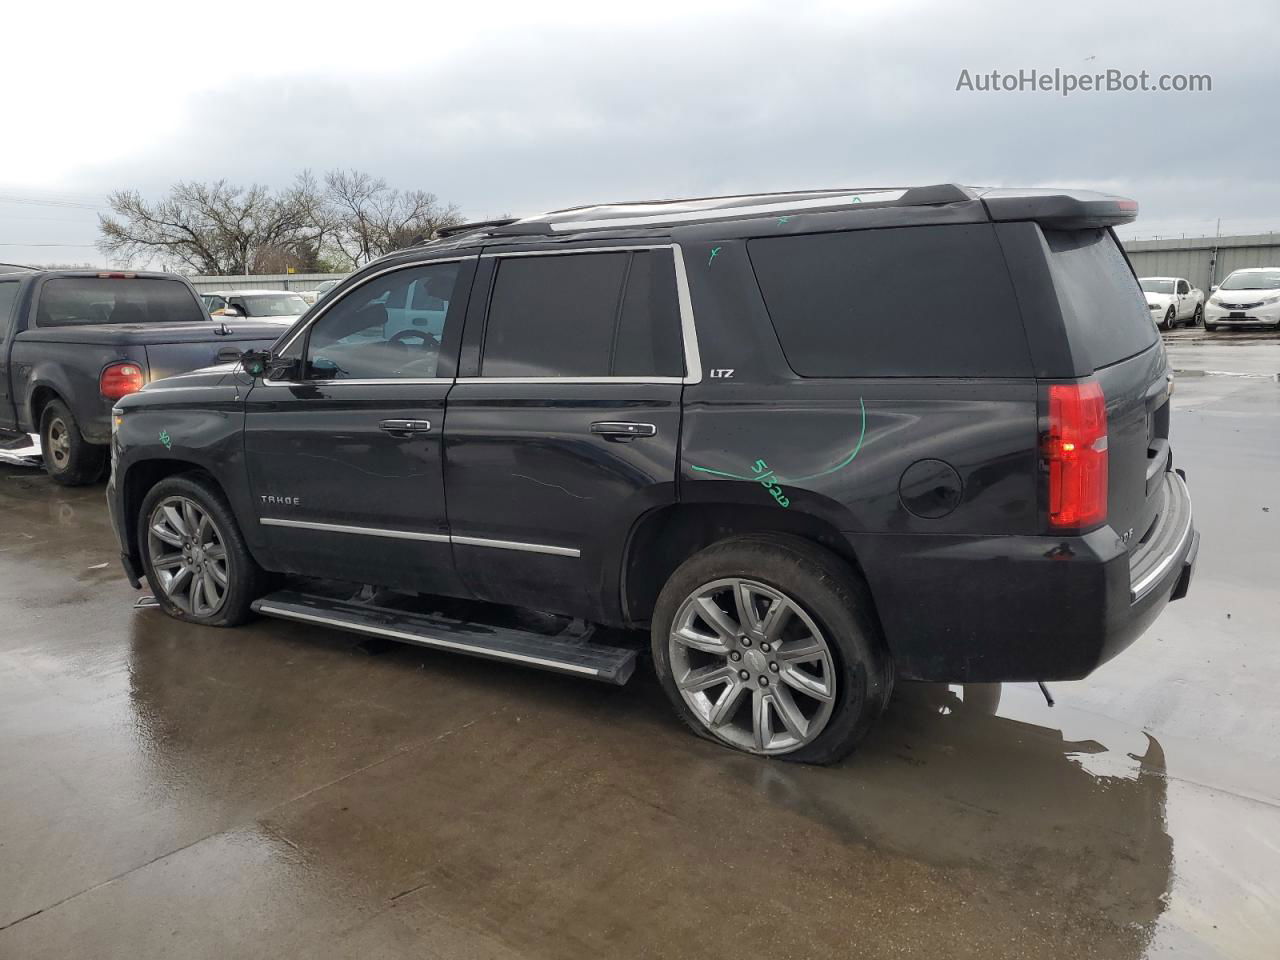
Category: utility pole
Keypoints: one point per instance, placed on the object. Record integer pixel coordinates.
(1213, 261)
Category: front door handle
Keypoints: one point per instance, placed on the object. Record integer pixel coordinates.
(623, 429)
(405, 428)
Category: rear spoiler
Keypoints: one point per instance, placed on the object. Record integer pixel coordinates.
(1060, 209)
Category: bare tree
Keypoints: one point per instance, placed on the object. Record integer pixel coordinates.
(213, 228)
(365, 218)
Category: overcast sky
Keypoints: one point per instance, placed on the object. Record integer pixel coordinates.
(522, 107)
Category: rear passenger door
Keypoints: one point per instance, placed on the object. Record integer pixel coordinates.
(564, 428)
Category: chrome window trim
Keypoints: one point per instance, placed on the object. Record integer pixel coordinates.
(572, 380)
(415, 535)
(357, 383)
(327, 304)
(688, 329)
(563, 251)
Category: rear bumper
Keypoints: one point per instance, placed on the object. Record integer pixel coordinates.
(996, 609)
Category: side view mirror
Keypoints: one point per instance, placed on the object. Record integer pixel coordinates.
(1214, 288)
(230, 311)
(261, 363)
(254, 362)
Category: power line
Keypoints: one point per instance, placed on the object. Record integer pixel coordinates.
(34, 201)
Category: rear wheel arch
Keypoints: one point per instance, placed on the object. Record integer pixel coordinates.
(664, 538)
(41, 396)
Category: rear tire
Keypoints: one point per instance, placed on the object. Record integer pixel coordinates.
(822, 671)
(69, 458)
(193, 555)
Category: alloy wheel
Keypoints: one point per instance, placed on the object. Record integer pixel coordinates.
(752, 665)
(188, 555)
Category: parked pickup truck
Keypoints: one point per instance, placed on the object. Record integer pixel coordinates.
(72, 342)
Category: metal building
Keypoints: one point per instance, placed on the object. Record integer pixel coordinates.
(1203, 260)
(300, 282)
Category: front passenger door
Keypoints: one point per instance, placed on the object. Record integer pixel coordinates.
(1185, 307)
(344, 457)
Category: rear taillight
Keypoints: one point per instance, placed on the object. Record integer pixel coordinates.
(1075, 451)
(120, 379)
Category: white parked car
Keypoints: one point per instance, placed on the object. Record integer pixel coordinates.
(1247, 298)
(283, 305)
(1173, 300)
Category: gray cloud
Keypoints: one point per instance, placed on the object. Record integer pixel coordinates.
(740, 103)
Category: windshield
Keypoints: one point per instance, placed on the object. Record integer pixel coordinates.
(79, 300)
(1156, 286)
(1252, 280)
(275, 305)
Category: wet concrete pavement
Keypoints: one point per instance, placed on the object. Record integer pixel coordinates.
(172, 791)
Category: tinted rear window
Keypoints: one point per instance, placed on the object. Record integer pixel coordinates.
(80, 300)
(899, 302)
(1102, 302)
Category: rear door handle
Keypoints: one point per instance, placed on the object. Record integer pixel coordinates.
(623, 429)
(405, 428)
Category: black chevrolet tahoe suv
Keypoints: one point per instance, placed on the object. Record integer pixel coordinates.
(810, 441)
(72, 342)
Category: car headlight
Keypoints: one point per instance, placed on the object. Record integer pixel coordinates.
(1214, 302)
(1267, 301)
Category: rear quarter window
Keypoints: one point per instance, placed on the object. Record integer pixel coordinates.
(1102, 303)
(65, 301)
(899, 302)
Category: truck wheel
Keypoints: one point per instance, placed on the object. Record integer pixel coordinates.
(768, 644)
(68, 457)
(193, 554)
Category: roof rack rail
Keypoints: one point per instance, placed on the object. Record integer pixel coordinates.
(458, 228)
(523, 227)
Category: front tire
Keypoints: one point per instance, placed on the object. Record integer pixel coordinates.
(1197, 318)
(69, 458)
(193, 555)
(768, 644)
(1170, 320)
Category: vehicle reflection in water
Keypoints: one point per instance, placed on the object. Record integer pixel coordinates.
(577, 818)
